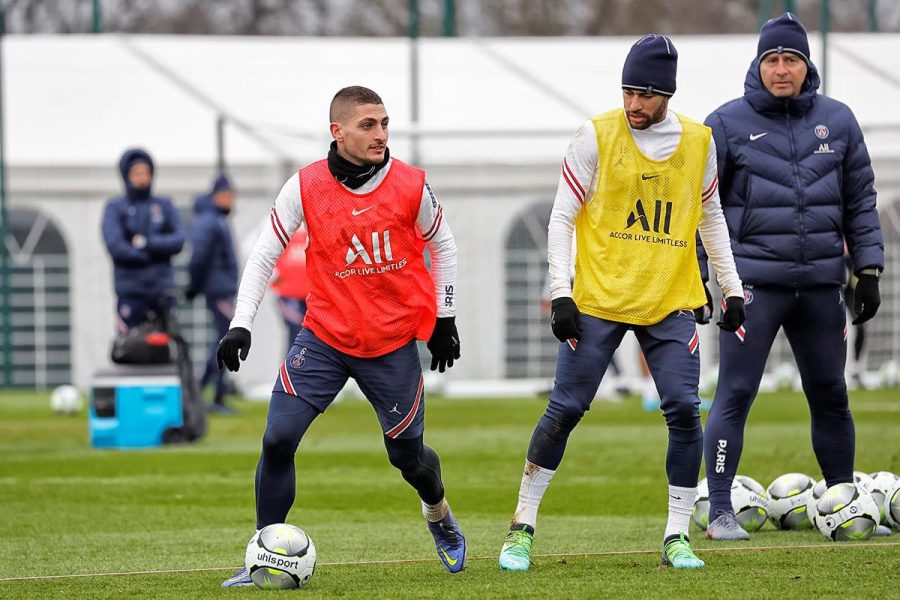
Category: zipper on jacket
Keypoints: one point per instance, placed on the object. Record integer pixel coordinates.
(800, 205)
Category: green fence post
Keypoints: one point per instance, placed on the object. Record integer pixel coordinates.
(5, 259)
(96, 17)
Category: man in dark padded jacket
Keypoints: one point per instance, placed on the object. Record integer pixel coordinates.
(142, 233)
(796, 182)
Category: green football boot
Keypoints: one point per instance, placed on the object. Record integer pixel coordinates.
(516, 552)
(677, 553)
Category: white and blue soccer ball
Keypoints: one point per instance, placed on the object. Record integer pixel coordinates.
(748, 499)
(892, 505)
(788, 496)
(280, 556)
(700, 512)
(66, 400)
(881, 482)
(818, 490)
(845, 512)
(751, 506)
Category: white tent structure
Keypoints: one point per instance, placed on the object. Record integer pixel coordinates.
(494, 118)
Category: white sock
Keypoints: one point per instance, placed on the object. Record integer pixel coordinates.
(681, 503)
(535, 480)
(650, 391)
(435, 512)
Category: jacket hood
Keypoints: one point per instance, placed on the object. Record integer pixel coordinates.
(129, 157)
(204, 204)
(763, 101)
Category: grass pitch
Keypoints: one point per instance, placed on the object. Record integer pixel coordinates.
(173, 522)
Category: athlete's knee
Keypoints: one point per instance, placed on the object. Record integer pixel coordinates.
(405, 454)
(560, 419)
(681, 411)
(827, 392)
(280, 438)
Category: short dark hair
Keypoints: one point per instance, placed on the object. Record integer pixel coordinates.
(355, 95)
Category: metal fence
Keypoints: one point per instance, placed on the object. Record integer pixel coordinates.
(40, 320)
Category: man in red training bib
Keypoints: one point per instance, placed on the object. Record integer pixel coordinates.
(369, 218)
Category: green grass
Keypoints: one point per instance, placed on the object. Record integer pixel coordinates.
(69, 509)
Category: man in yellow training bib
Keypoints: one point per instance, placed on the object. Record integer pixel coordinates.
(636, 187)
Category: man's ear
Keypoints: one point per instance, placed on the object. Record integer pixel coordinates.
(337, 132)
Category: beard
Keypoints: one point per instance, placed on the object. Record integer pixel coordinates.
(651, 119)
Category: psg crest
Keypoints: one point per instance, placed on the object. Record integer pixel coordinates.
(298, 360)
(821, 131)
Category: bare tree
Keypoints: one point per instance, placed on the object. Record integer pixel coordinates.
(392, 17)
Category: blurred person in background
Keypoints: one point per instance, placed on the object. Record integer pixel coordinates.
(142, 233)
(636, 185)
(370, 218)
(796, 182)
(290, 282)
(213, 273)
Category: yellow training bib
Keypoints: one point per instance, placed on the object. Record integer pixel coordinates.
(636, 259)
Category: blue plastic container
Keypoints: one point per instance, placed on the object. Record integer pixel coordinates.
(131, 407)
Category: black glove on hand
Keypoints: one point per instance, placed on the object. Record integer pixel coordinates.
(866, 298)
(236, 340)
(565, 320)
(734, 315)
(444, 344)
(703, 314)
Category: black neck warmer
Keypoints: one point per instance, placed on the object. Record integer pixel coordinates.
(353, 176)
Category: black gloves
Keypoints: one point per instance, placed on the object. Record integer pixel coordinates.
(190, 294)
(443, 345)
(734, 315)
(703, 314)
(565, 320)
(236, 340)
(866, 298)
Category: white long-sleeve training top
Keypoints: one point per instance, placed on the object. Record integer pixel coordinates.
(578, 182)
(287, 213)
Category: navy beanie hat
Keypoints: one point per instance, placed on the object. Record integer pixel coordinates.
(651, 65)
(784, 34)
(221, 183)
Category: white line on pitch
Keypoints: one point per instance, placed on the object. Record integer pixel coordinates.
(401, 561)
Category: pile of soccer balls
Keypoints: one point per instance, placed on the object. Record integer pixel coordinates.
(846, 511)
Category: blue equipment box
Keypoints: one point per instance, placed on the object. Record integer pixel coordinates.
(132, 406)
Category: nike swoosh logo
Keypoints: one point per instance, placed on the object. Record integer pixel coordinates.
(645, 177)
(756, 136)
(356, 213)
(675, 497)
(450, 561)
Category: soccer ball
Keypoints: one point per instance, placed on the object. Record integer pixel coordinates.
(280, 556)
(818, 490)
(751, 506)
(892, 505)
(748, 498)
(66, 400)
(788, 496)
(700, 513)
(844, 512)
(879, 483)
